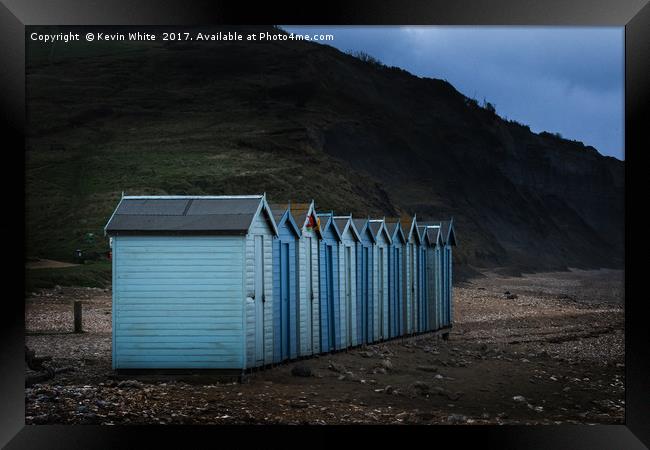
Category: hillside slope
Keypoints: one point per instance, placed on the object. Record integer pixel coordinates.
(301, 120)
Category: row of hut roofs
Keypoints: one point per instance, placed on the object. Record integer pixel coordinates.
(232, 282)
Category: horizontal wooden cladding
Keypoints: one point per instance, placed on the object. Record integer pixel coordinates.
(168, 294)
(176, 342)
(165, 328)
(177, 358)
(158, 306)
(180, 273)
(215, 285)
(177, 257)
(181, 291)
(184, 247)
(162, 302)
(189, 353)
(129, 362)
(159, 240)
(178, 301)
(190, 316)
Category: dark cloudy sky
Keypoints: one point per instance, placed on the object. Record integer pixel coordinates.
(556, 79)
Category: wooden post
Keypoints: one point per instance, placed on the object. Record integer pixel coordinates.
(77, 317)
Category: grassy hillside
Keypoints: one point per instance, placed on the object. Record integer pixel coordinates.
(299, 120)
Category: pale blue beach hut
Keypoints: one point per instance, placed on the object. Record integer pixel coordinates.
(192, 282)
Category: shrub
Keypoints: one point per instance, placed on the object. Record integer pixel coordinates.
(366, 57)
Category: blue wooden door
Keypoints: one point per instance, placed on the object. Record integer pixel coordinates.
(310, 296)
(400, 304)
(284, 302)
(381, 279)
(365, 295)
(329, 268)
(422, 285)
(259, 299)
(392, 290)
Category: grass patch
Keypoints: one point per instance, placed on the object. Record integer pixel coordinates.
(96, 274)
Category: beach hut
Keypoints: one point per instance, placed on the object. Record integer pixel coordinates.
(305, 217)
(449, 241)
(365, 281)
(434, 273)
(286, 314)
(192, 282)
(330, 318)
(396, 279)
(380, 279)
(348, 279)
(425, 308)
(412, 307)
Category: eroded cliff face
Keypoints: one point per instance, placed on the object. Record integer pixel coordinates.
(300, 120)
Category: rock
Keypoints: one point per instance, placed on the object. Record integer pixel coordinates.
(299, 405)
(129, 384)
(420, 386)
(335, 367)
(387, 364)
(438, 377)
(388, 389)
(456, 418)
(301, 370)
(519, 398)
(427, 368)
(379, 370)
(511, 296)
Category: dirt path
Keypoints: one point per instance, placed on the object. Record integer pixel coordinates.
(48, 264)
(539, 358)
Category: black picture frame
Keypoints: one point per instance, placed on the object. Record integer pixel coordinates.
(634, 15)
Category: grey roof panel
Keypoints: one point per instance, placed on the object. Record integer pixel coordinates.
(432, 235)
(359, 224)
(160, 207)
(391, 227)
(278, 210)
(223, 206)
(232, 215)
(341, 223)
(375, 227)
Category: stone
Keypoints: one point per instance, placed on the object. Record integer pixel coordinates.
(456, 418)
(335, 367)
(519, 398)
(301, 370)
(420, 386)
(129, 384)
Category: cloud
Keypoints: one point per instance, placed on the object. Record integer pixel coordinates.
(558, 79)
